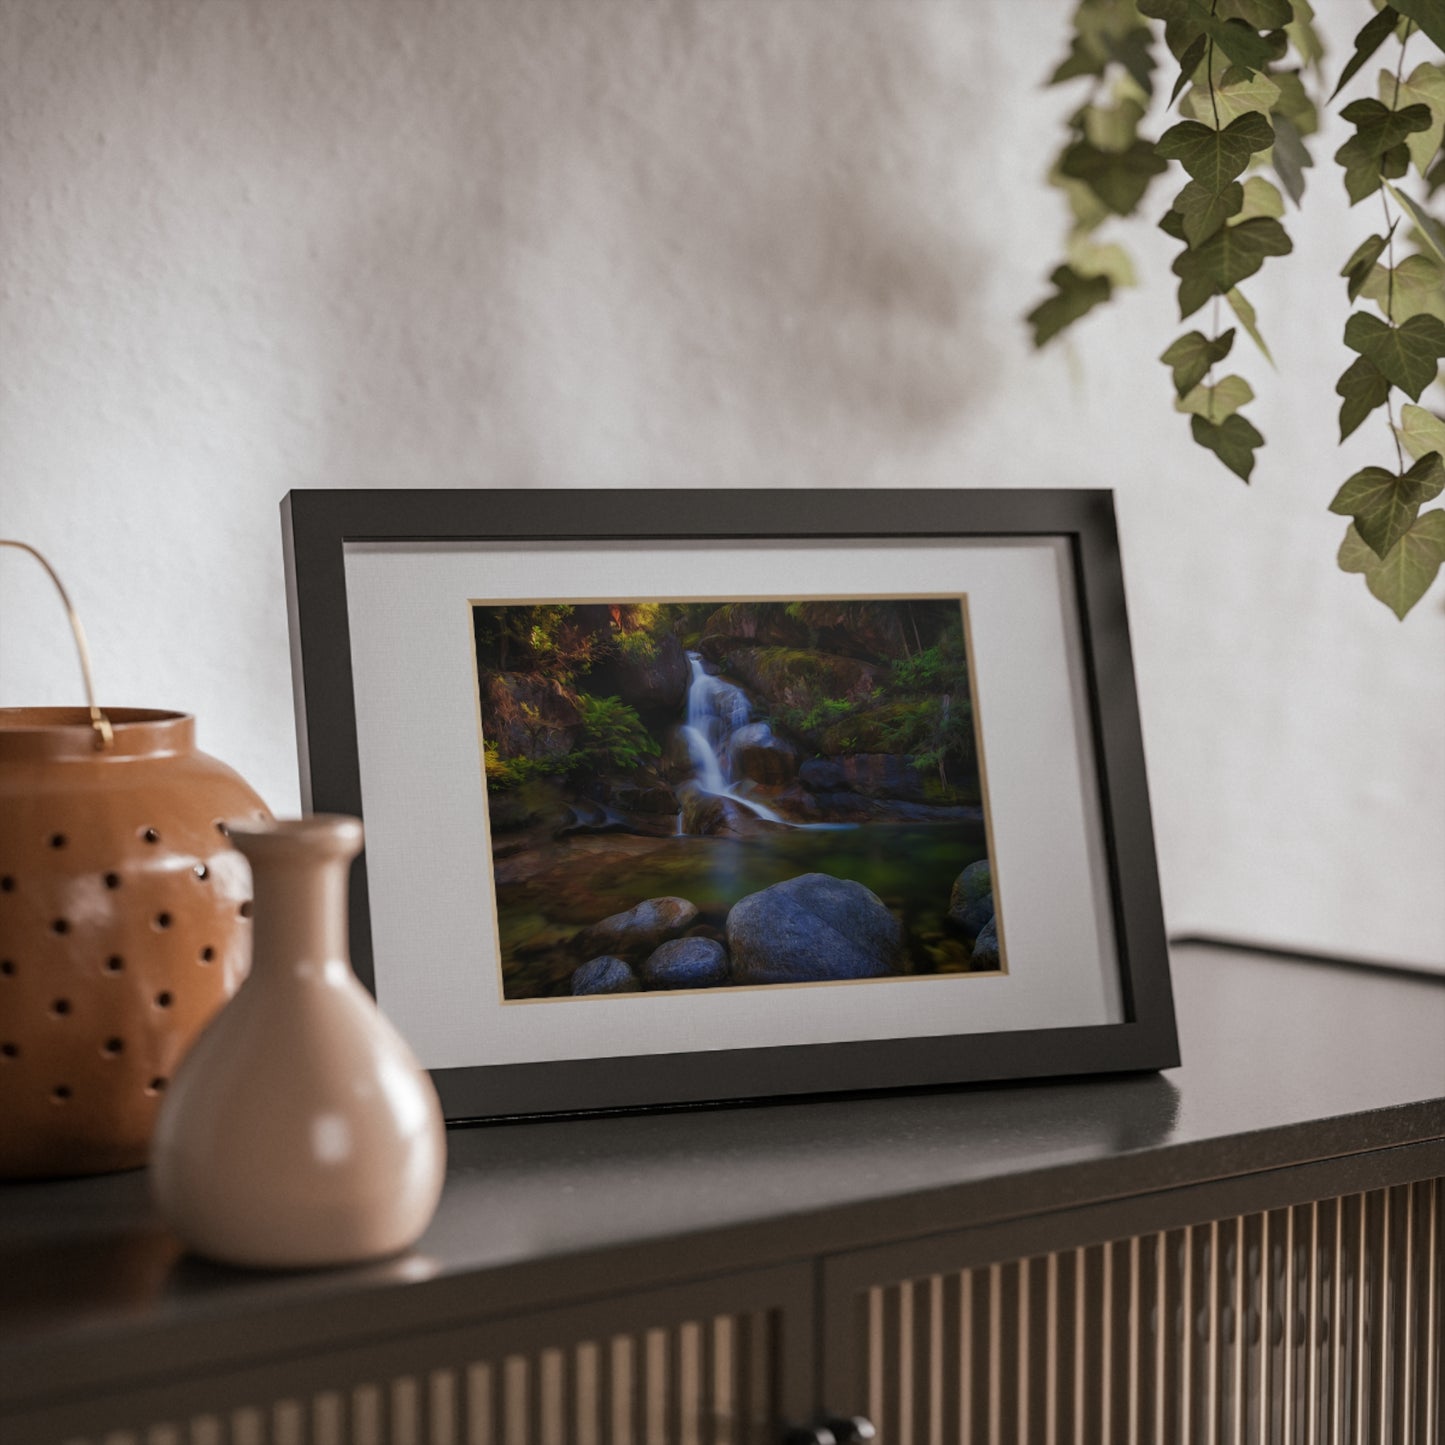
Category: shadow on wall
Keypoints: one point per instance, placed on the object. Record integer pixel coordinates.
(641, 243)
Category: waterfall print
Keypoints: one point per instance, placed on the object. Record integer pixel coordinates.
(718, 794)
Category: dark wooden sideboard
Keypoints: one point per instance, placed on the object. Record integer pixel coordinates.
(1247, 1248)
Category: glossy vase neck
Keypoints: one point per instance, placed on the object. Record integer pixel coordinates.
(300, 870)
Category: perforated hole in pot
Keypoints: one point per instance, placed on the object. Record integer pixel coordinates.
(60, 1093)
(114, 964)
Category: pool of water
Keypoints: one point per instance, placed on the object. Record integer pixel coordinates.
(910, 866)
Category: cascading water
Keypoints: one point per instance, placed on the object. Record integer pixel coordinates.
(715, 711)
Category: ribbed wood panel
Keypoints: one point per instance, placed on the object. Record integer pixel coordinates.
(1319, 1324)
(709, 1382)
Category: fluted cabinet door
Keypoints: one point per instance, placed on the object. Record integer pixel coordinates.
(720, 1361)
(1316, 1323)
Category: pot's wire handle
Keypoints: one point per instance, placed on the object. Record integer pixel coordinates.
(104, 735)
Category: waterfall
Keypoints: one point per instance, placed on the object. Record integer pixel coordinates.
(715, 711)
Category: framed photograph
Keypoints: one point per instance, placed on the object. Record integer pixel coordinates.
(686, 796)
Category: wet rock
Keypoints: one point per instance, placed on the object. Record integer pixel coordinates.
(758, 753)
(985, 947)
(687, 963)
(635, 933)
(822, 775)
(810, 928)
(882, 775)
(606, 974)
(970, 902)
(529, 716)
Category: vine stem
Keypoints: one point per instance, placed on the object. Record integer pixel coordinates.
(1390, 254)
(1214, 106)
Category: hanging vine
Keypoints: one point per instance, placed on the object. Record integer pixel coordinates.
(1242, 68)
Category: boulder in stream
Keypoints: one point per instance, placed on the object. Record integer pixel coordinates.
(985, 947)
(635, 933)
(813, 928)
(606, 974)
(687, 963)
(970, 903)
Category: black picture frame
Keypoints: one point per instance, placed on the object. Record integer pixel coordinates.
(317, 527)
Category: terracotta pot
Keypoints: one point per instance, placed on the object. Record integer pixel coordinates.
(123, 927)
(300, 1130)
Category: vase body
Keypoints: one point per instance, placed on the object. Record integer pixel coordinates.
(299, 1131)
(124, 926)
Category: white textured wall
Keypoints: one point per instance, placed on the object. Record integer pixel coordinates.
(248, 245)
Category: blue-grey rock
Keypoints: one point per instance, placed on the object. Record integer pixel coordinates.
(970, 903)
(687, 963)
(812, 928)
(604, 975)
(822, 775)
(985, 947)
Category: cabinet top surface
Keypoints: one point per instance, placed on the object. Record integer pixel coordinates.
(1285, 1062)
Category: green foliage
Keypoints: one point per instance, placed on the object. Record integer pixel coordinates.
(1228, 257)
(1191, 357)
(1377, 150)
(1364, 387)
(1384, 505)
(1372, 36)
(614, 738)
(1242, 108)
(1362, 261)
(1234, 441)
(1074, 296)
(506, 774)
(1407, 356)
(1216, 402)
(1402, 577)
(1416, 287)
(1213, 158)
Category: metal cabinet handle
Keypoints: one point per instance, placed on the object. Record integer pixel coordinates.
(836, 1430)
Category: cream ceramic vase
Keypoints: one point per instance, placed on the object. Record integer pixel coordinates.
(299, 1130)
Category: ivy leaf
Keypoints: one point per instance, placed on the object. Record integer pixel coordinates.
(1203, 211)
(1407, 355)
(1114, 127)
(1190, 358)
(1403, 576)
(1242, 309)
(1242, 91)
(1426, 86)
(1420, 431)
(1362, 261)
(1118, 178)
(1290, 157)
(1183, 27)
(1216, 157)
(1428, 226)
(1215, 403)
(1260, 199)
(1262, 14)
(1377, 147)
(1384, 506)
(1134, 51)
(1233, 441)
(1082, 59)
(1374, 34)
(1418, 290)
(1075, 296)
(1089, 258)
(1363, 387)
(1429, 15)
(1189, 62)
(1303, 35)
(1172, 224)
(1294, 102)
(1238, 39)
(1226, 258)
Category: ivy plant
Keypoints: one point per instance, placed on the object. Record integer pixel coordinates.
(1243, 72)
